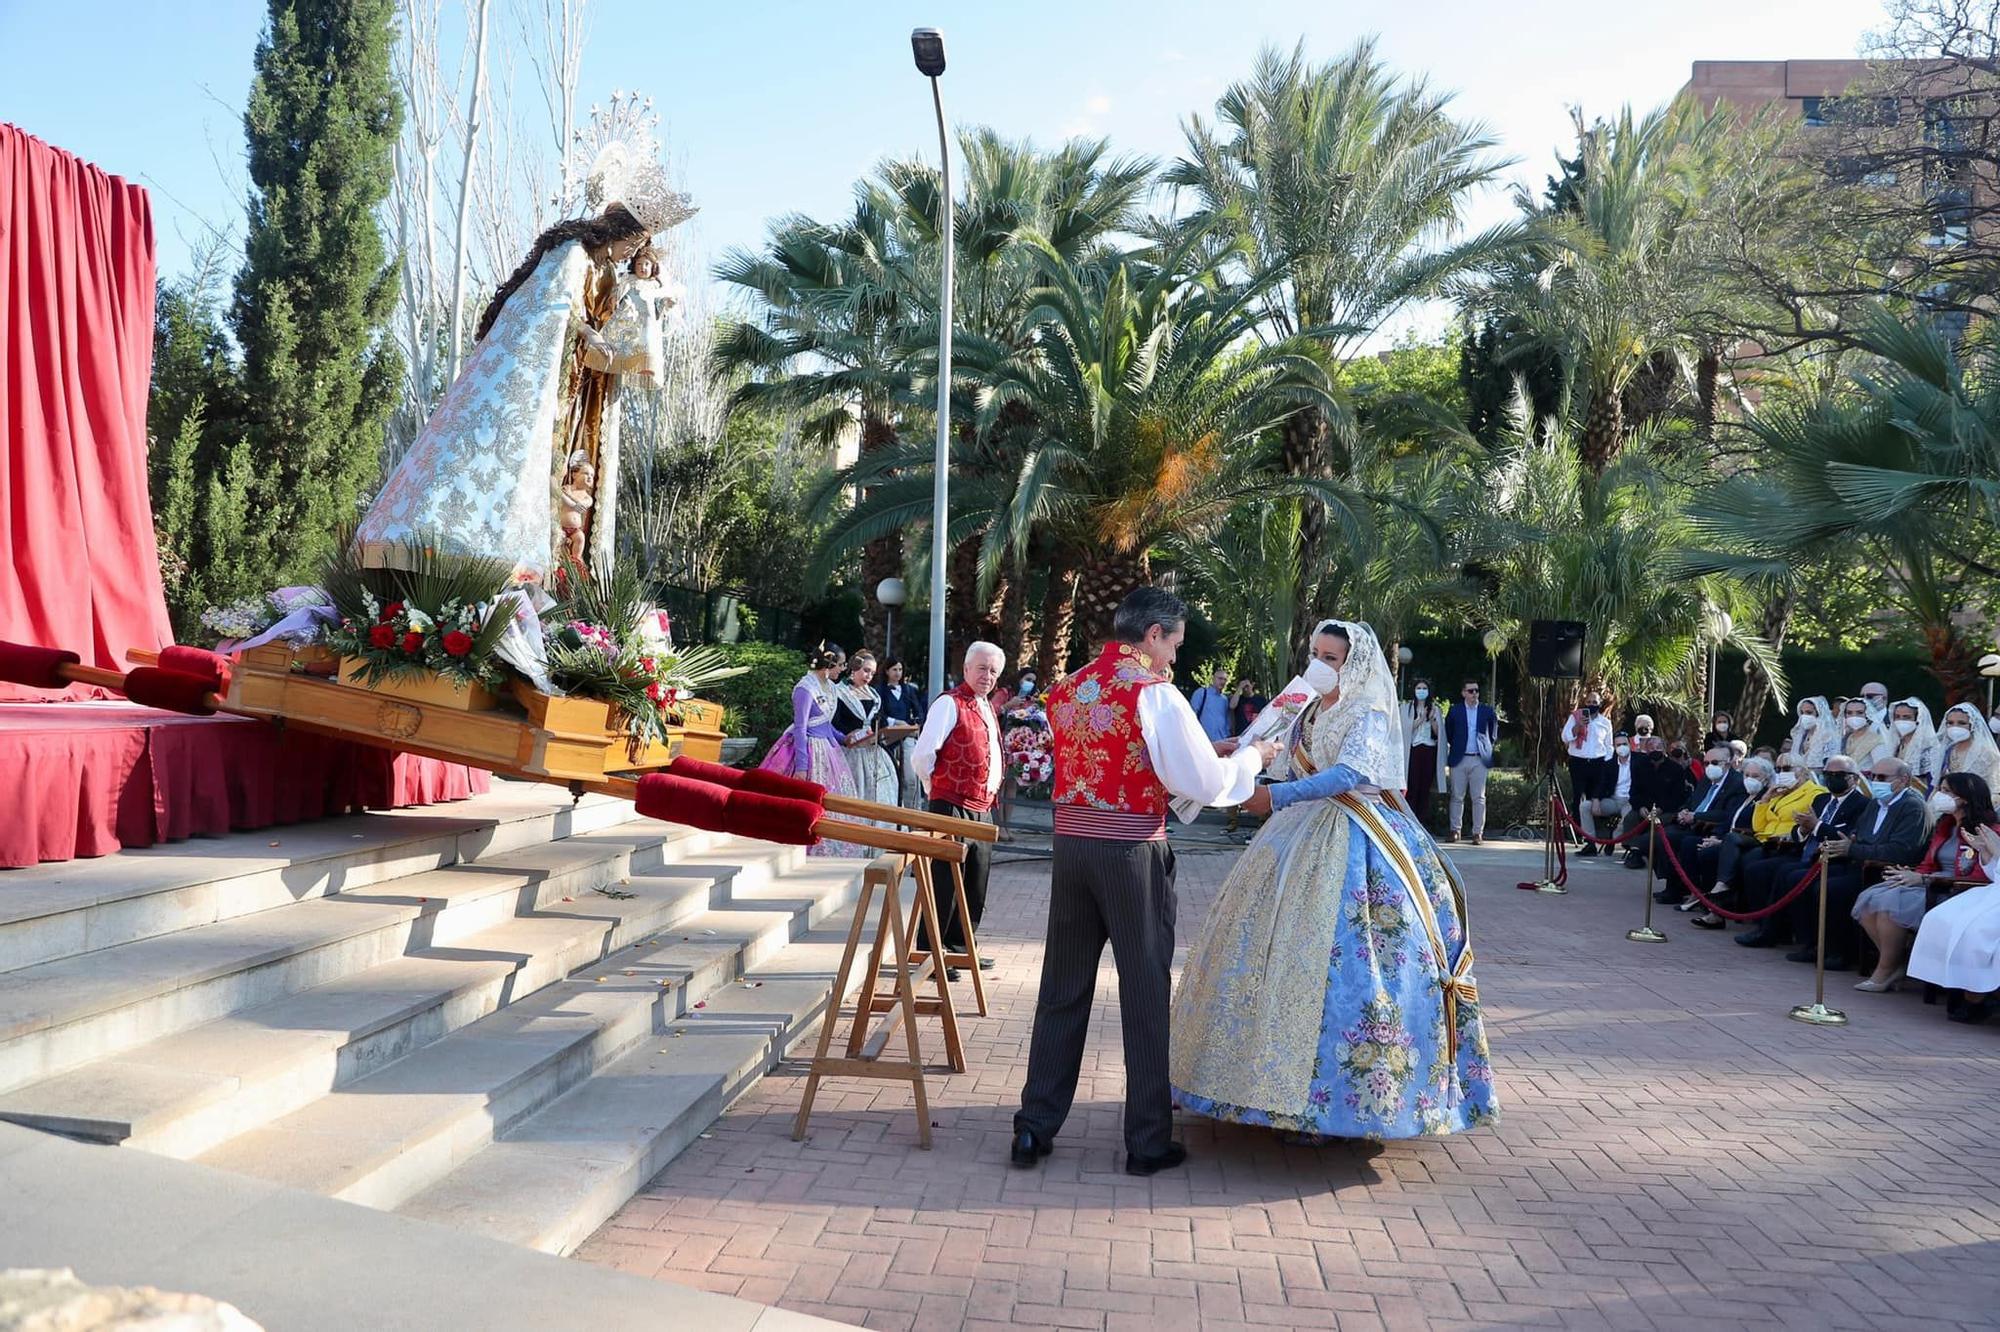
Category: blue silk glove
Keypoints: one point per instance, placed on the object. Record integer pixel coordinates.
(1322, 785)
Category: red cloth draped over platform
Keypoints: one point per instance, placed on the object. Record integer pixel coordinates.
(76, 354)
(87, 779)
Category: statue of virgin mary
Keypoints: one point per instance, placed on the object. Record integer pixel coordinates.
(536, 402)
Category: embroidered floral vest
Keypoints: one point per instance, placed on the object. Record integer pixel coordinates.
(964, 770)
(1105, 786)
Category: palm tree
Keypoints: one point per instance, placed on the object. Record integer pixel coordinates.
(1565, 543)
(1903, 469)
(1131, 407)
(1338, 185)
(835, 306)
(1610, 283)
(844, 311)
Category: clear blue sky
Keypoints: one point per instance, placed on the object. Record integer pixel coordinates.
(778, 107)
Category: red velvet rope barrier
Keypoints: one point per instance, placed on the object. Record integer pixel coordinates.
(1726, 914)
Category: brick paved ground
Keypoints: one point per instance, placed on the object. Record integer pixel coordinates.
(1673, 1153)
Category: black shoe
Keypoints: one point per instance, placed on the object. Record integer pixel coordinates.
(1806, 955)
(1588, 850)
(1028, 1150)
(1836, 962)
(1758, 938)
(951, 973)
(986, 964)
(1707, 921)
(1972, 1013)
(1153, 1165)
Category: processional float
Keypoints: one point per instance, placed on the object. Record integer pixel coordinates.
(568, 742)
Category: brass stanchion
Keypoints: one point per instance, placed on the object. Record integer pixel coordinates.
(1817, 1012)
(1548, 882)
(1646, 933)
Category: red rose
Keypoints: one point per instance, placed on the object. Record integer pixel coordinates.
(457, 644)
(382, 636)
(390, 612)
(413, 643)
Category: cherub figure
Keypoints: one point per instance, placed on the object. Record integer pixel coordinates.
(579, 492)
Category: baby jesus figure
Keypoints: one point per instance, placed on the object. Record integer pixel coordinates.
(634, 330)
(579, 492)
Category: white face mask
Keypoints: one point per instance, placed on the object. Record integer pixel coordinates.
(1958, 735)
(1423, 694)
(1714, 771)
(1753, 784)
(1809, 717)
(1322, 676)
(1722, 728)
(1785, 781)
(1624, 751)
(1906, 726)
(1856, 723)
(1943, 803)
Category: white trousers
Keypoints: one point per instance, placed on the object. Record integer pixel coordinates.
(1468, 777)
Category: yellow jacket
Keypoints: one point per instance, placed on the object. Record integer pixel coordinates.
(1772, 818)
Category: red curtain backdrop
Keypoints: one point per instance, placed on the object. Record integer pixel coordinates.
(76, 357)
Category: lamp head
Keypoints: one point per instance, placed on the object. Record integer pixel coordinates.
(927, 44)
(891, 592)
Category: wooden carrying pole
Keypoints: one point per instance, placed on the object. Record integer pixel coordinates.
(864, 1055)
(624, 788)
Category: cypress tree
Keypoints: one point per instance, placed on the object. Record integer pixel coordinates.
(316, 288)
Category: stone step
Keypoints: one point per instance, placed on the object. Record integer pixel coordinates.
(389, 1135)
(550, 1181)
(64, 909)
(59, 1015)
(188, 1092)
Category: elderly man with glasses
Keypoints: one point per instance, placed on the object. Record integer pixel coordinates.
(1470, 730)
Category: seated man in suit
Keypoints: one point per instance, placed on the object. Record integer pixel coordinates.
(1834, 814)
(1891, 831)
(1658, 782)
(1711, 810)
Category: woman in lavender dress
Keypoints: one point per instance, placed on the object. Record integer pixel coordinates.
(811, 748)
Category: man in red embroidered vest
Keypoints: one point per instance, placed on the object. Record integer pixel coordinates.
(1126, 742)
(957, 758)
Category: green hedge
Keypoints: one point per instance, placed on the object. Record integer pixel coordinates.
(759, 700)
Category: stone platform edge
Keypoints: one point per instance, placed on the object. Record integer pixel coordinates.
(297, 1262)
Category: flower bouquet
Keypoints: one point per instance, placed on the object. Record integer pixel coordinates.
(403, 630)
(1273, 723)
(290, 611)
(1031, 760)
(607, 641)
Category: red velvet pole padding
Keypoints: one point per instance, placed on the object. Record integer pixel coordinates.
(35, 667)
(705, 805)
(757, 779)
(683, 800)
(700, 770)
(770, 818)
(211, 667)
(157, 688)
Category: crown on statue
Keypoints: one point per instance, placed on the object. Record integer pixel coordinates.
(625, 167)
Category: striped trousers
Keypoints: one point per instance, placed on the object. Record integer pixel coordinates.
(1122, 893)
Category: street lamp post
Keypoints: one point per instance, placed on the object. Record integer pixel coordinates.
(927, 45)
(892, 594)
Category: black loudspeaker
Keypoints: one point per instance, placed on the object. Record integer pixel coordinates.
(1555, 649)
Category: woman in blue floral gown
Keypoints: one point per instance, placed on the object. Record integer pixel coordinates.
(1330, 994)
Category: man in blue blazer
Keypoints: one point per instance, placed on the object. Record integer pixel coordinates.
(1470, 731)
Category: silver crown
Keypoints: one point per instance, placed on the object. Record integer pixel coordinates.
(624, 165)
